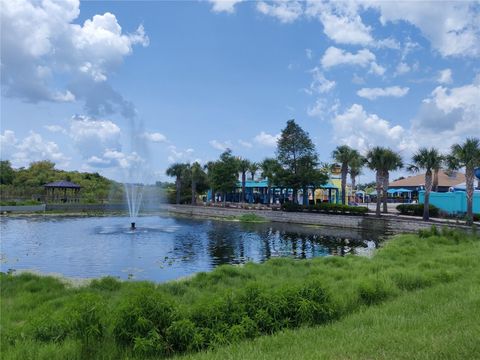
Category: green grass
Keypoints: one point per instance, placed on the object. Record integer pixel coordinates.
(251, 218)
(416, 298)
(441, 322)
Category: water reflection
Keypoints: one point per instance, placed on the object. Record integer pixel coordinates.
(163, 248)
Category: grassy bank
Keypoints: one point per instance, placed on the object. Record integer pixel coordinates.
(417, 292)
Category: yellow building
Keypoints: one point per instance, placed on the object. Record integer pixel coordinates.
(335, 181)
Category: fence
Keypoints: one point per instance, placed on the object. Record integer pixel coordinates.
(452, 202)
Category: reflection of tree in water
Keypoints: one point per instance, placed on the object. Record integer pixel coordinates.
(187, 247)
(237, 243)
(223, 241)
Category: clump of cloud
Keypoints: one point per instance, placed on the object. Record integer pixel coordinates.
(375, 93)
(226, 6)
(41, 45)
(266, 139)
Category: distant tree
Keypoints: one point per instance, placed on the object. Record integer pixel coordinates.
(355, 169)
(344, 155)
(198, 180)
(466, 155)
(383, 160)
(430, 160)
(270, 168)
(243, 167)
(253, 168)
(177, 171)
(40, 172)
(7, 174)
(298, 160)
(223, 173)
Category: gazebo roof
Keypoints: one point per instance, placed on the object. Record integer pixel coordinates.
(62, 184)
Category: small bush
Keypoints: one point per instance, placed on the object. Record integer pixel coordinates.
(417, 210)
(291, 207)
(142, 316)
(85, 317)
(372, 292)
(183, 335)
(49, 327)
(326, 208)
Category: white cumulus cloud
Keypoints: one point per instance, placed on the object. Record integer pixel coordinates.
(284, 11)
(32, 148)
(341, 21)
(227, 6)
(245, 144)
(154, 137)
(266, 139)
(445, 76)
(93, 136)
(450, 26)
(374, 93)
(362, 130)
(334, 56)
(402, 68)
(222, 146)
(319, 83)
(43, 47)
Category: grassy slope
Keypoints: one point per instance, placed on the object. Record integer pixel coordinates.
(429, 288)
(442, 322)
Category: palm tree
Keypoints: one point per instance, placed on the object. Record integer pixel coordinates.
(177, 170)
(269, 168)
(383, 160)
(253, 168)
(344, 155)
(196, 174)
(466, 155)
(355, 169)
(209, 167)
(243, 167)
(431, 161)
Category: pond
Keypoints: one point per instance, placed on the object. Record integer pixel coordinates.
(162, 248)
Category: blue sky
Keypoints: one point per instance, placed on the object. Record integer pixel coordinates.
(112, 86)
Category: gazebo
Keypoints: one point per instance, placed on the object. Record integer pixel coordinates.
(62, 191)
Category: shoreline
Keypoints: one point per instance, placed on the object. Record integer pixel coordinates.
(395, 224)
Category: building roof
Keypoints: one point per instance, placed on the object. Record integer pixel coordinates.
(64, 184)
(444, 180)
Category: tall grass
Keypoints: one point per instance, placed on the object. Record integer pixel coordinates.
(44, 318)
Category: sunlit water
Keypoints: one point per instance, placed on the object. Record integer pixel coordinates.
(162, 248)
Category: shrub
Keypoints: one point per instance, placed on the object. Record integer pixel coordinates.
(85, 317)
(327, 208)
(183, 335)
(291, 207)
(143, 318)
(373, 291)
(417, 209)
(82, 318)
(49, 327)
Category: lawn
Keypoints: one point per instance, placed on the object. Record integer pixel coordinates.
(418, 297)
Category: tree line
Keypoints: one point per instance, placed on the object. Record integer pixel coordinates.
(27, 183)
(296, 166)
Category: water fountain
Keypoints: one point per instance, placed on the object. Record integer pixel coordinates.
(134, 195)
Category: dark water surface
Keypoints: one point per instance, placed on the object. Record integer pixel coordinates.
(162, 248)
